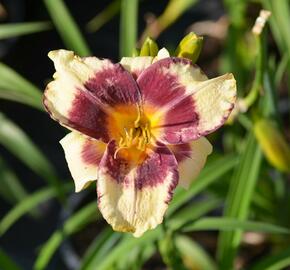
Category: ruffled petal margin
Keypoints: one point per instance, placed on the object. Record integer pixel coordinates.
(191, 158)
(136, 65)
(189, 106)
(83, 155)
(85, 90)
(134, 198)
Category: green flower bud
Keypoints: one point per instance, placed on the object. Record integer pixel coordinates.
(149, 48)
(273, 144)
(190, 47)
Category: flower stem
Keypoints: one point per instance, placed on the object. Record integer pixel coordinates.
(250, 99)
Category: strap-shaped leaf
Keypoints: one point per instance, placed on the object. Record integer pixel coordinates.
(67, 27)
(11, 189)
(128, 26)
(101, 246)
(126, 245)
(14, 87)
(212, 172)
(6, 262)
(10, 30)
(192, 212)
(74, 223)
(231, 224)
(17, 142)
(239, 198)
(277, 261)
(28, 204)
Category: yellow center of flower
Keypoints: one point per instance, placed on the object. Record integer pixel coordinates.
(130, 127)
(138, 136)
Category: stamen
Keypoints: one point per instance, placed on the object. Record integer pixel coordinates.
(136, 123)
(148, 135)
(122, 142)
(144, 134)
(130, 137)
(137, 136)
(126, 132)
(140, 144)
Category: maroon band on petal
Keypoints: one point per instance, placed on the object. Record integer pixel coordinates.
(151, 172)
(161, 88)
(186, 104)
(90, 154)
(134, 197)
(114, 86)
(85, 91)
(182, 152)
(154, 169)
(86, 117)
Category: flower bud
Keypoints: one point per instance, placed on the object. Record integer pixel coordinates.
(149, 48)
(273, 144)
(190, 47)
(261, 21)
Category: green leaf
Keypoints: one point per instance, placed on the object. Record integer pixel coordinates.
(14, 87)
(279, 23)
(11, 188)
(99, 248)
(137, 257)
(193, 255)
(277, 261)
(10, 30)
(18, 143)
(231, 224)
(169, 252)
(280, 69)
(6, 262)
(173, 10)
(239, 199)
(211, 173)
(103, 17)
(192, 212)
(73, 224)
(128, 26)
(28, 204)
(67, 27)
(126, 245)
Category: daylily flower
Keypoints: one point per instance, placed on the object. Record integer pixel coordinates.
(137, 127)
